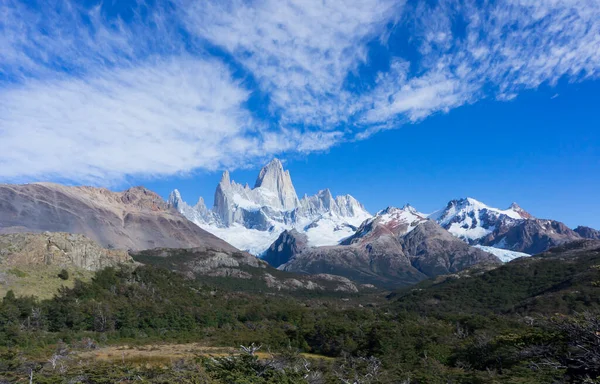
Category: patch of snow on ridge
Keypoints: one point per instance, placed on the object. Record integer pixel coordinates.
(406, 215)
(503, 254)
(252, 241)
(475, 233)
(330, 229)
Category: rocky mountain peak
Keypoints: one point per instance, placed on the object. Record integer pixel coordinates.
(517, 208)
(252, 218)
(143, 198)
(273, 178)
(225, 180)
(174, 199)
(410, 208)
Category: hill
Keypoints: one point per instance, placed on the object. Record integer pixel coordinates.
(133, 219)
(564, 279)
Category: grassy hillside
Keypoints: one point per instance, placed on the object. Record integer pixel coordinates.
(41, 281)
(563, 280)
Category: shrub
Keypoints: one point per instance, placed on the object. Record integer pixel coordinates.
(64, 274)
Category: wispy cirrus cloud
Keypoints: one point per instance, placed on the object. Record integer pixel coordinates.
(95, 94)
(299, 51)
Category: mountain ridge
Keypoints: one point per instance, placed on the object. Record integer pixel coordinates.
(136, 218)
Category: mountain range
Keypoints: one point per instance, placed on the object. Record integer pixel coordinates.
(253, 218)
(318, 234)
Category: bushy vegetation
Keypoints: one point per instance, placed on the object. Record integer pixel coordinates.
(482, 329)
(548, 284)
(64, 274)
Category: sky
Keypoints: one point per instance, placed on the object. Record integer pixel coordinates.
(390, 101)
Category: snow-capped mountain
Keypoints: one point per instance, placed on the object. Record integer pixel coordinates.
(393, 221)
(397, 246)
(498, 231)
(253, 218)
(472, 220)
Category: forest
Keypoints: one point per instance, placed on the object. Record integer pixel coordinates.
(530, 321)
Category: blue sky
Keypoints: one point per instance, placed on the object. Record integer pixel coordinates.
(390, 101)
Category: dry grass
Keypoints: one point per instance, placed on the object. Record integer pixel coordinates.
(164, 354)
(41, 281)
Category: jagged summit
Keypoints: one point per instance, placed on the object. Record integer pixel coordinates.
(523, 213)
(273, 178)
(174, 198)
(252, 218)
(225, 180)
(470, 219)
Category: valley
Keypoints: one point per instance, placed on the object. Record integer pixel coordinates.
(102, 286)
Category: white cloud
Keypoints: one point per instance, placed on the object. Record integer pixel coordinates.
(169, 117)
(299, 51)
(89, 97)
(508, 46)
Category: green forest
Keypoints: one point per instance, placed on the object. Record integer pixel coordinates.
(529, 321)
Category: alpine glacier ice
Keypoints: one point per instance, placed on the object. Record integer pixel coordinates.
(503, 254)
(252, 219)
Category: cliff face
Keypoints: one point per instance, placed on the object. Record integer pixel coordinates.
(57, 249)
(134, 219)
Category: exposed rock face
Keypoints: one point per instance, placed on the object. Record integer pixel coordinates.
(588, 233)
(434, 251)
(58, 249)
(252, 218)
(396, 247)
(531, 236)
(199, 262)
(376, 264)
(287, 245)
(274, 179)
(134, 219)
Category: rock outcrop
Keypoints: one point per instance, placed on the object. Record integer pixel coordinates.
(200, 263)
(287, 245)
(530, 236)
(57, 249)
(588, 233)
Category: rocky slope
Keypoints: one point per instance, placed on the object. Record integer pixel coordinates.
(57, 249)
(287, 245)
(253, 218)
(531, 236)
(396, 247)
(248, 271)
(588, 233)
(134, 219)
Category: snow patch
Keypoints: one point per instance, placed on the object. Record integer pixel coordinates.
(503, 254)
